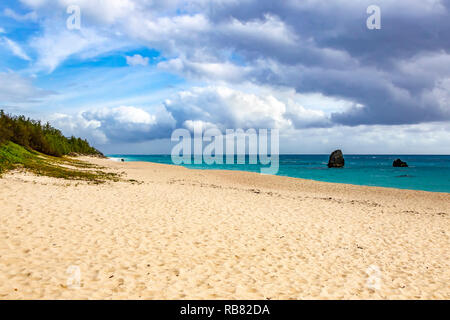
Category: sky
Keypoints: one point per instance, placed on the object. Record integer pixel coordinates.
(136, 70)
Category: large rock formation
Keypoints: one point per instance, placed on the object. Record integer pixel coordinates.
(336, 160)
(399, 164)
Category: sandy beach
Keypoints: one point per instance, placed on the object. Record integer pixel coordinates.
(189, 234)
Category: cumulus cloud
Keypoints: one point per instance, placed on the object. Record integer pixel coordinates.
(339, 57)
(137, 60)
(214, 107)
(227, 108)
(132, 124)
(394, 76)
(102, 127)
(430, 138)
(306, 118)
(317, 47)
(268, 30)
(120, 124)
(79, 126)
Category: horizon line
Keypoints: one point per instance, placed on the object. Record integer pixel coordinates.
(290, 154)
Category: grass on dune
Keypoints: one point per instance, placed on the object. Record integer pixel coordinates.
(13, 156)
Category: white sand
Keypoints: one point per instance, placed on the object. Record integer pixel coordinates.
(189, 234)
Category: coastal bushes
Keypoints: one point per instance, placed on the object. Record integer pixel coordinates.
(33, 135)
(38, 148)
(13, 156)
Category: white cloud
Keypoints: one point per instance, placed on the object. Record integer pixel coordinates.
(124, 115)
(119, 124)
(79, 126)
(271, 29)
(15, 88)
(219, 71)
(223, 107)
(312, 47)
(54, 47)
(226, 107)
(192, 124)
(15, 49)
(304, 118)
(213, 106)
(174, 35)
(31, 16)
(2, 30)
(430, 138)
(137, 60)
(100, 11)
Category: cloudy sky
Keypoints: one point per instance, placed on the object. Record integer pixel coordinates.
(138, 69)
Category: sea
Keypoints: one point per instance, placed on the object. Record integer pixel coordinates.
(425, 172)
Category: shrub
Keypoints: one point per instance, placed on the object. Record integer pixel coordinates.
(33, 135)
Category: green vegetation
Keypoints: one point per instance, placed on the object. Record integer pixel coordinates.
(42, 138)
(13, 156)
(27, 144)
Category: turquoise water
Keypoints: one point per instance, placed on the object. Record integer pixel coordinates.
(425, 172)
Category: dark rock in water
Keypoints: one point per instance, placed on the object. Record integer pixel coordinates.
(336, 160)
(400, 164)
(123, 160)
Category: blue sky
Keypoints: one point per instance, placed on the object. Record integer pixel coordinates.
(136, 70)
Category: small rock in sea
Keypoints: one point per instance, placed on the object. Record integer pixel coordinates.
(336, 160)
(399, 164)
(123, 160)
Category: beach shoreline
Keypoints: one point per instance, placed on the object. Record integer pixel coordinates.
(179, 233)
(425, 173)
(281, 176)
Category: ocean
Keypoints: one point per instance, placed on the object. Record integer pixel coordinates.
(425, 172)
